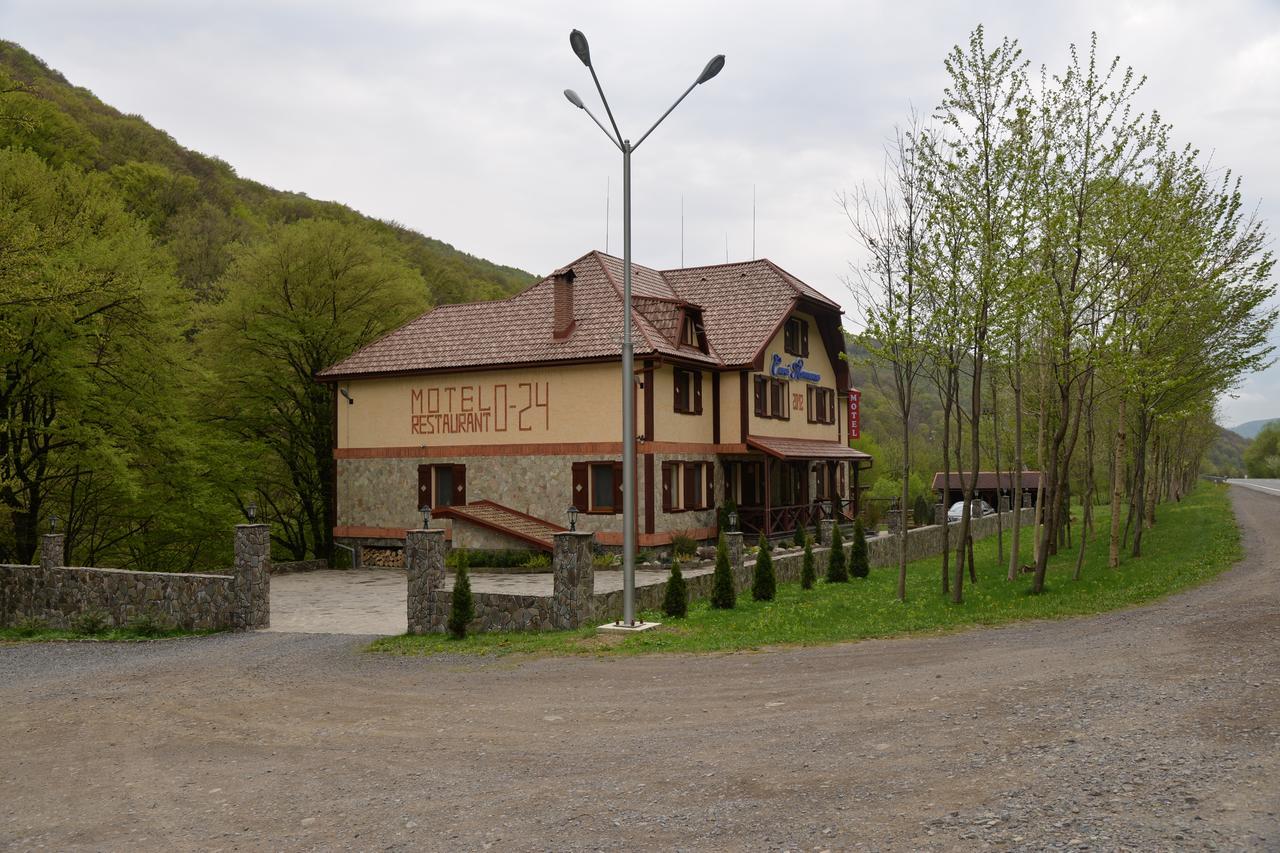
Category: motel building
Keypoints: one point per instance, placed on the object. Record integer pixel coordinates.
(501, 415)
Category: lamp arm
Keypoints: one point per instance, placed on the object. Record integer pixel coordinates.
(605, 101)
(603, 129)
(664, 115)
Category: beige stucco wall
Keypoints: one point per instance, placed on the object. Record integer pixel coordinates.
(731, 407)
(529, 405)
(798, 426)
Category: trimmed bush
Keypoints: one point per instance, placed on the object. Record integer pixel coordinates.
(90, 622)
(683, 545)
(798, 538)
(463, 610)
(837, 569)
(808, 575)
(764, 585)
(923, 511)
(722, 595)
(149, 624)
(859, 564)
(676, 602)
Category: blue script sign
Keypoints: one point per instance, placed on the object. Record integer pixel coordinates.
(794, 370)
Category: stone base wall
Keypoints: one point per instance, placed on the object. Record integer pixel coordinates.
(59, 596)
(298, 566)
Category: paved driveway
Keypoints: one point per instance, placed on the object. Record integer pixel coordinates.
(368, 601)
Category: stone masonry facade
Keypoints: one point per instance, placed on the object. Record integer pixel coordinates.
(58, 596)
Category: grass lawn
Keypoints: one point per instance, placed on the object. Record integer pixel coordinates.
(1192, 541)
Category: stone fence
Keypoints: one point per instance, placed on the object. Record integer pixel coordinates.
(575, 603)
(59, 595)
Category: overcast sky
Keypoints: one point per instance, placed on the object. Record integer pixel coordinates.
(449, 118)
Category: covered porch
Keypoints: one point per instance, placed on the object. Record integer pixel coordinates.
(782, 484)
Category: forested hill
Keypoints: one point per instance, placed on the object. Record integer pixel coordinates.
(195, 205)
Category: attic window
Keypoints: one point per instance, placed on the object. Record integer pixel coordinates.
(691, 332)
(795, 338)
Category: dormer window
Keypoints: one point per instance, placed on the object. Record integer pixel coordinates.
(691, 332)
(795, 337)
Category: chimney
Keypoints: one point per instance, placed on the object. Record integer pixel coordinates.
(562, 296)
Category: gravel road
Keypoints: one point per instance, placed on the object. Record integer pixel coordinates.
(1152, 728)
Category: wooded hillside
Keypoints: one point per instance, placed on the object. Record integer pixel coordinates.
(160, 320)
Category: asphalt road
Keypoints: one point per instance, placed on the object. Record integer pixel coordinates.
(1151, 728)
(1270, 487)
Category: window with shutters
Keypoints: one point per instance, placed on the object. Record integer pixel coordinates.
(772, 398)
(603, 488)
(688, 391)
(687, 486)
(822, 405)
(442, 485)
(795, 337)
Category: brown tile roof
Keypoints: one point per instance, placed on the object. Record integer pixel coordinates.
(742, 305)
(535, 531)
(804, 448)
(987, 480)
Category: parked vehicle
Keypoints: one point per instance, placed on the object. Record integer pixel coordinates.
(979, 510)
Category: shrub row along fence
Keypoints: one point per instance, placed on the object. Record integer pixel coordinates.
(574, 601)
(59, 596)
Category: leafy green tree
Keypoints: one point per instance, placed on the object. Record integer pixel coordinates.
(1262, 457)
(294, 304)
(808, 574)
(92, 371)
(859, 564)
(723, 596)
(675, 603)
(837, 568)
(764, 584)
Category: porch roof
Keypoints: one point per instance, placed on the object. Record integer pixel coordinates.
(804, 448)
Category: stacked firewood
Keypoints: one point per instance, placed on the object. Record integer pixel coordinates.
(383, 558)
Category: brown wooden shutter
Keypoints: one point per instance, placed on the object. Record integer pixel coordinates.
(831, 407)
(666, 487)
(789, 336)
(580, 486)
(690, 485)
(459, 485)
(697, 392)
(804, 338)
(424, 486)
(709, 470)
(680, 404)
(617, 487)
(808, 400)
(760, 398)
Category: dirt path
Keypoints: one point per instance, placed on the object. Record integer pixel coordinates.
(1150, 728)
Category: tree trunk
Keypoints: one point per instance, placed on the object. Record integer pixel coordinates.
(1015, 544)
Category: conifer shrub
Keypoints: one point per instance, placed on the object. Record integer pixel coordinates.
(837, 568)
(923, 511)
(808, 574)
(798, 538)
(764, 585)
(463, 610)
(722, 595)
(676, 602)
(859, 564)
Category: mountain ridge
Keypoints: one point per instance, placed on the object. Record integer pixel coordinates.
(1250, 429)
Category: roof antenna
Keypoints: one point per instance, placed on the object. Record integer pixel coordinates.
(681, 230)
(753, 222)
(606, 214)
(726, 247)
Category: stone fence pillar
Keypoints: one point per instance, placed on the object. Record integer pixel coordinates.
(737, 558)
(252, 575)
(573, 580)
(939, 514)
(893, 518)
(52, 549)
(424, 563)
(825, 530)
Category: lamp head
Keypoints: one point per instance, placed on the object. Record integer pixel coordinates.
(573, 98)
(426, 515)
(579, 44)
(252, 509)
(573, 518)
(712, 69)
(53, 523)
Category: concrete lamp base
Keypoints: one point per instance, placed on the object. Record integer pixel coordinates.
(619, 628)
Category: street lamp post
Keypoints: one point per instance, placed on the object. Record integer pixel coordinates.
(580, 48)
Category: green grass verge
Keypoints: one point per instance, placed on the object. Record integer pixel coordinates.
(35, 634)
(1192, 541)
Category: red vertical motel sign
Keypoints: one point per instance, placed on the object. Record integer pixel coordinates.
(855, 414)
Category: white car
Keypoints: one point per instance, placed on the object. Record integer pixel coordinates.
(980, 509)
